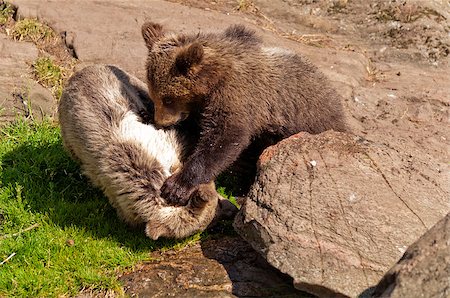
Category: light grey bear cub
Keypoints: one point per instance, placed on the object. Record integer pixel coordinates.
(101, 117)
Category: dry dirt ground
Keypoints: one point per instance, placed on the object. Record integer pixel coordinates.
(388, 59)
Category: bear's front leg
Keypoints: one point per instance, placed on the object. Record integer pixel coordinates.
(215, 151)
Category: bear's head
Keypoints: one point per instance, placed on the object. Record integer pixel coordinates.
(181, 72)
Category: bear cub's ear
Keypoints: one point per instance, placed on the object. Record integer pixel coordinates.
(189, 57)
(151, 32)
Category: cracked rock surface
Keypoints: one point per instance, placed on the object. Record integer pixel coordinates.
(336, 211)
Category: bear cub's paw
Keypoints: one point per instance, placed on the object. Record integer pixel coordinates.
(176, 191)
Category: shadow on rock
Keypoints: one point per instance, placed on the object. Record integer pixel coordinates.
(222, 267)
(249, 272)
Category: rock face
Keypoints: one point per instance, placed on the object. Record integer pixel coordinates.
(336, 211)
(424, 269)
(226, 267)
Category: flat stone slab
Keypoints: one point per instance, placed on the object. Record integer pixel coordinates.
(226, 267)
(335, 211)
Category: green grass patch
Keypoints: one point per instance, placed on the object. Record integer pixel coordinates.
(50, 75)
(32, 30)
(226, 193)
(75, 240)
(6, 12)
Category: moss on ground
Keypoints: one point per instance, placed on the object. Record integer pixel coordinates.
(49, 74)
(6, 12)
(32, 30)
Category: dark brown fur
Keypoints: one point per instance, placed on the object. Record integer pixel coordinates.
(238, 92)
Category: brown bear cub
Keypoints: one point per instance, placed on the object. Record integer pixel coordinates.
(237, 92)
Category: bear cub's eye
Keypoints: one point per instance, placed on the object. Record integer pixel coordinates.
(167, 101)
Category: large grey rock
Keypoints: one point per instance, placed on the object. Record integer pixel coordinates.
(335, 211)
(424, 269)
